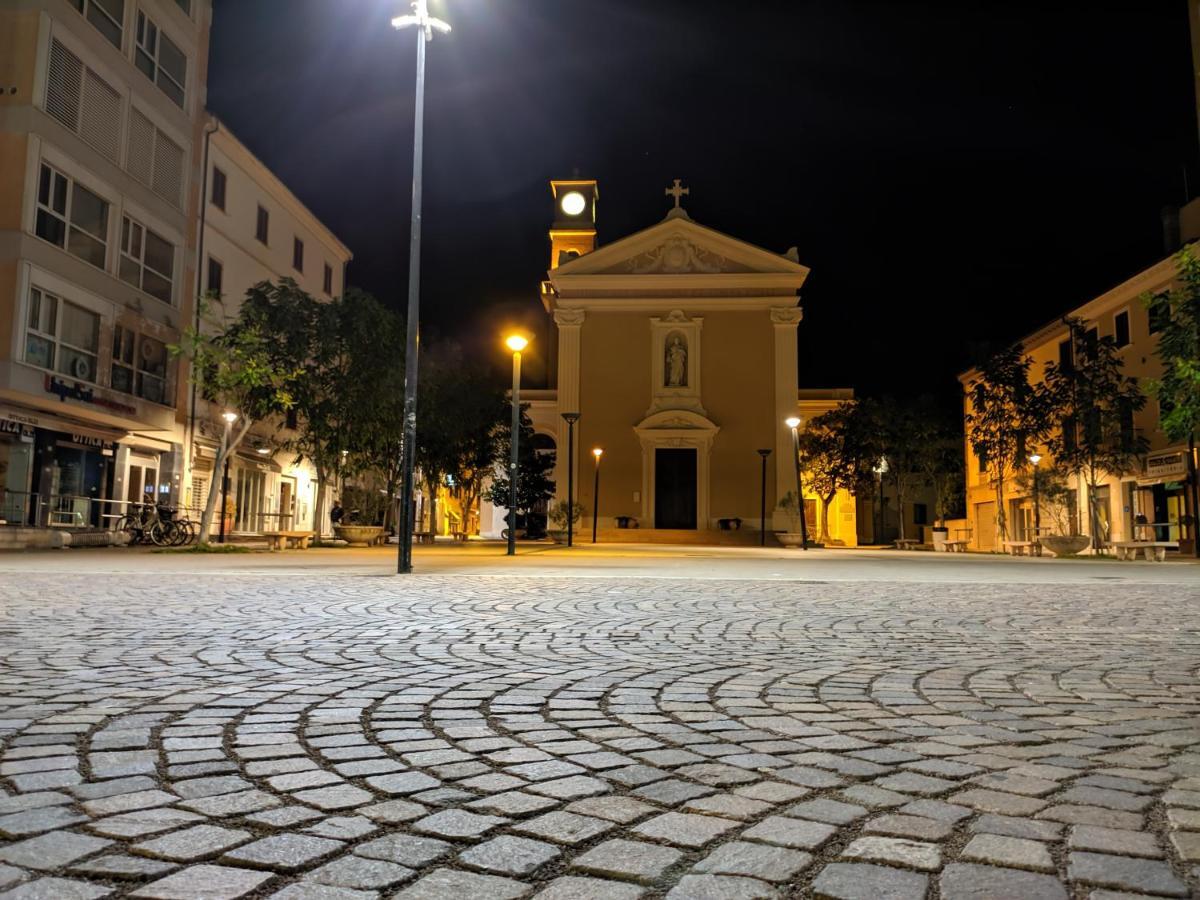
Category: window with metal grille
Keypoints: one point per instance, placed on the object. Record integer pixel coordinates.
(329, 279)
(147, 260)
(298, 254)
(262, 227)
(154, 159)
(61, 336)
(160, 59)
(83, 101)
(108, 17)
(219, 183)
(72, 217)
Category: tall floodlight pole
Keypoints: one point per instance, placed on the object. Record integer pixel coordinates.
(516, 343)
(597, 452)
(793, 422)
(762, 501)
(426, 25)
(1036, 458)
(571, 418)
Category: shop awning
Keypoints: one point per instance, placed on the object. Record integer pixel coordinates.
(61, 424)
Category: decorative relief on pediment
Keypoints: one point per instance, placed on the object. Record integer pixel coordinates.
(676, 256)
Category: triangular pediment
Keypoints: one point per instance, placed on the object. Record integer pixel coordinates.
(679, 246)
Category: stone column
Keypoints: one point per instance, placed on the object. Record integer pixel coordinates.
(570, 326)
(784, 319)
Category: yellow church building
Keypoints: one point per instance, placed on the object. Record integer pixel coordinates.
(676, 345)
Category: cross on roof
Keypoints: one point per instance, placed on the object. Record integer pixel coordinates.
(677, 191)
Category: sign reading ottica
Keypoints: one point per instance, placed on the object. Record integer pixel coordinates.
(1166, 465)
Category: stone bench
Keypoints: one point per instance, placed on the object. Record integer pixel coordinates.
(1155, 551)
(907, 543)
(956, 546)
(280, 540)
(1023, 548)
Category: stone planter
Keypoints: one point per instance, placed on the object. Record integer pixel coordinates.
(358, 535)
(940, 535)
(790, 538)
(1065, 544)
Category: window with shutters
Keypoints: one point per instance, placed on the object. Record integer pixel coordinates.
(108, 17)
(83, 101)
(147, 260)
(298, 254)
(61, 336)
(328, 279)
(154, 159)
(262, 227)
(72, 217)
(160, 59)
(219, 183)
(216, 276)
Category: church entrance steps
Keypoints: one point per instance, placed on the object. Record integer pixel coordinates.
(712, 538)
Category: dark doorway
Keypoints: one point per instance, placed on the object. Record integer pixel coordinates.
(675, 488)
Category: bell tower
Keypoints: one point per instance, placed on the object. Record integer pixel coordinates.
(574, 230)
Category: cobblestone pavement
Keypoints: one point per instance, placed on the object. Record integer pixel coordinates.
(481, 738)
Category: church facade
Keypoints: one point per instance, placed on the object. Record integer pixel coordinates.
(676, 345)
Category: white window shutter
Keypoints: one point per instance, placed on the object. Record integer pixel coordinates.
(140, 159)
(168, 169)
(63, 86)
(100, 124)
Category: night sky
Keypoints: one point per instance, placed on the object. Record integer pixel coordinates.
(954, 173)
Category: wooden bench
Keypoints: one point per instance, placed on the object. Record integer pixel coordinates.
(1155, 551)
(907, 543)
(460, 536)
(956, 546)
(282, 540)
(1023, 548)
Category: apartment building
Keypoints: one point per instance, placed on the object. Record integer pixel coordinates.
(100, 109)
(1156, 492)
(254, 229)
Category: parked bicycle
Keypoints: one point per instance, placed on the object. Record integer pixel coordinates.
(159, 525)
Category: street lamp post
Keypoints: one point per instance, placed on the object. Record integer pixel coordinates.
(762, 522)
(425, 25)
(230, 417)
(880, 470)
(571, 419)
(597, 452)
(793, 423)
(1036, 458)
(516, 343)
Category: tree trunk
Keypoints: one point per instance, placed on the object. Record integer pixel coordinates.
(826, 502)
(215, 487)
(319, 509)
(433, 505)
(900, 509)
(1001, 518)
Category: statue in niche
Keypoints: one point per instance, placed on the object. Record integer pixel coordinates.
(676, 361)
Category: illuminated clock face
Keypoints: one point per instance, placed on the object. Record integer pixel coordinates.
(574, 203)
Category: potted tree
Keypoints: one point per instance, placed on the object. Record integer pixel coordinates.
(793, 506)
(1056, 502)
(560, 513)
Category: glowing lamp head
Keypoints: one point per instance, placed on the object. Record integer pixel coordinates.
(1035, 458)
(229, 416)
(597, 452)
(263, 451)
(573, 203)
(516, 342)
(792, 421)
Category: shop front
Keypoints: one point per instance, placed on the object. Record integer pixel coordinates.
(16, 471)
(1162, 504)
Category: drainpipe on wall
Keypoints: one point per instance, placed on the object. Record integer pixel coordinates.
(210, 129)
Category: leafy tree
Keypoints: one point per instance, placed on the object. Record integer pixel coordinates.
(1005, 416)
(1056, 499)
(236, 370)
(903, 435)
(939, 458)
(534, 485)
(1177, 312)
(458, 431)
(1093, 403)
(835, 455)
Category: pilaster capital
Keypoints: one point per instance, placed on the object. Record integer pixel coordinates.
(568, 316)
(786, 315)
